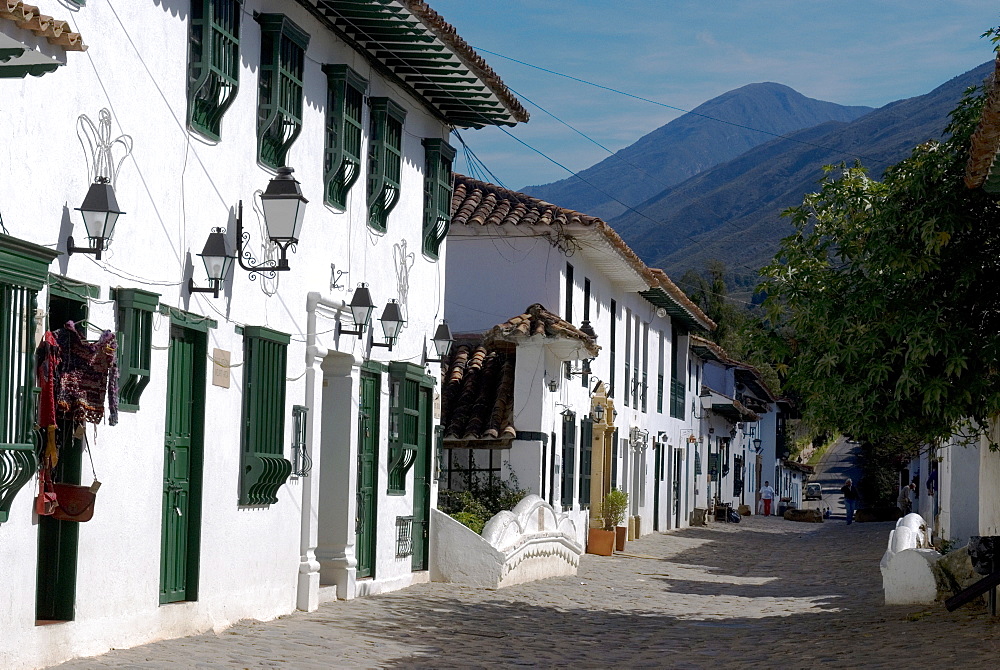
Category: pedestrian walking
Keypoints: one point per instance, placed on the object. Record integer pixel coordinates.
(903, 500)
(767, 497)
(851, 498)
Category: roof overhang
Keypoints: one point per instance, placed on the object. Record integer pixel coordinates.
(660, 298)
(726, 407)
(411, 42)
(708, 351)
(32, 43)
(619, 267)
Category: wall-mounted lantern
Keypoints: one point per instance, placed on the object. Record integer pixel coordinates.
(100, 212)
(442, 343)
(284, 211)
(361, 311)
(757, 445)
(598, 413)
(392, 323)
(217, 259)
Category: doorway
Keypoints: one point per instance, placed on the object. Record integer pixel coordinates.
(678, 466)
(183, 456)
(59, 541)
(365, 518)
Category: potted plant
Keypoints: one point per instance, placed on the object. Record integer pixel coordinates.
(613, 510)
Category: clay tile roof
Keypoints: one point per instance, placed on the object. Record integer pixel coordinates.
(479, 203)
(28, 17)
(475, 202)
(478, 394)
(983, 168)
(537, 320)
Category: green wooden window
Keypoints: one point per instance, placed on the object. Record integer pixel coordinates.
(135, 339)
(586, 460)
(438, 157)
(342, 156)
(385, 160)
(659, 393)
(410, 423)
(263, 466)
(568, 454)
(23, 272)
(279, 104)
(213, 63)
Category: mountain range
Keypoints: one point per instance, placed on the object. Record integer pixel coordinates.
(728, 206)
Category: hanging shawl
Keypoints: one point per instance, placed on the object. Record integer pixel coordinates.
(87, 370)
(47, 378)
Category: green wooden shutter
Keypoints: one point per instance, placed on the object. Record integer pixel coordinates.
(409, 418)
(279, 106)
(438, 157)
(568, 458)
(264, 468)
(135, 335)
(342, 158)
(385, 160)
(213, 63)
(23, 272)
(586, 459)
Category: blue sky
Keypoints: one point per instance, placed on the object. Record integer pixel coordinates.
(684, 52)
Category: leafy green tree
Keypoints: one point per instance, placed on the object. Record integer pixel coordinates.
(885, 302)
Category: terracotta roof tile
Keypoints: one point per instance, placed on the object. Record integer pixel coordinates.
(537, 320)
(983, 162)
(479, 203)
(28, 17)
(478, 394)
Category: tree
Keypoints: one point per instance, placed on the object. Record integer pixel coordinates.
(885, 302)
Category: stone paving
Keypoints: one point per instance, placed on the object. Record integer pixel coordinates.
(762, 593)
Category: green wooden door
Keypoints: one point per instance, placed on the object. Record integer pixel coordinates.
(364, 521)
(422, 482)
(181, 452)
(657, 476)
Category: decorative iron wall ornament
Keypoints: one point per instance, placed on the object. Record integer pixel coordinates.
(104, 155)
(403, 261)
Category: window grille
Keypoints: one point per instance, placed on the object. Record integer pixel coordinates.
(301, 460)
(410, 422)
(135, 339)
(342, 158)
(438, 157)
(279, 108)
(23, 272)
(264, 468)
(404, 536)
(213, 63)
(385, 160)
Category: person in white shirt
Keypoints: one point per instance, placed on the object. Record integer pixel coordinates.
(767, 497)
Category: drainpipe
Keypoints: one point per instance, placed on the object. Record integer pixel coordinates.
(307, 587)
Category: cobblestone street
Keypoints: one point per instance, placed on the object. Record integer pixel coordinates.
(766, 591)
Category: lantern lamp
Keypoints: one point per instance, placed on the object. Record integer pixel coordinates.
(217, 259)
(284, 211)
(100, 212)
(392, 322)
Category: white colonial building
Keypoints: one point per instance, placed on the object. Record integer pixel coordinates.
(594, 387)
(275, 441)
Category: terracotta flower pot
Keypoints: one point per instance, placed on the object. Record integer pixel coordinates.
(621, 534)
(600, 542)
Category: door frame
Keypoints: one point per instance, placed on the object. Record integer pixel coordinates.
(196, 328)
(374, 374)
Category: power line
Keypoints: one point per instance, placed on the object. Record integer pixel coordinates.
(680, 109)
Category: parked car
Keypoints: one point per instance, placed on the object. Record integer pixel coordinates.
(814, 491)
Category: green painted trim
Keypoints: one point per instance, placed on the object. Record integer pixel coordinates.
(263, 333)
(8, 54)
(412, 372)
(23, 263)
(188, 319)
(281, 24)
(21, 71)
(375, 367)
(135, 298)
(64, 287)
(532, 436)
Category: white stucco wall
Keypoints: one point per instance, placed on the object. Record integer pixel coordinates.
(174, 188)
(958, 486)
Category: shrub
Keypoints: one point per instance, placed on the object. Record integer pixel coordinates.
(614, 508)
(472, 521)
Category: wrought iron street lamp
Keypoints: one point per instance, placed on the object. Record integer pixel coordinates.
(598, 413)
(100, 212)
(284, 211)
(361, 311)
(217, 259)
(392, 322)
(442, 343)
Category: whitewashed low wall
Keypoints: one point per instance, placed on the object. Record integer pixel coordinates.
(531, 542)
(907, 565)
